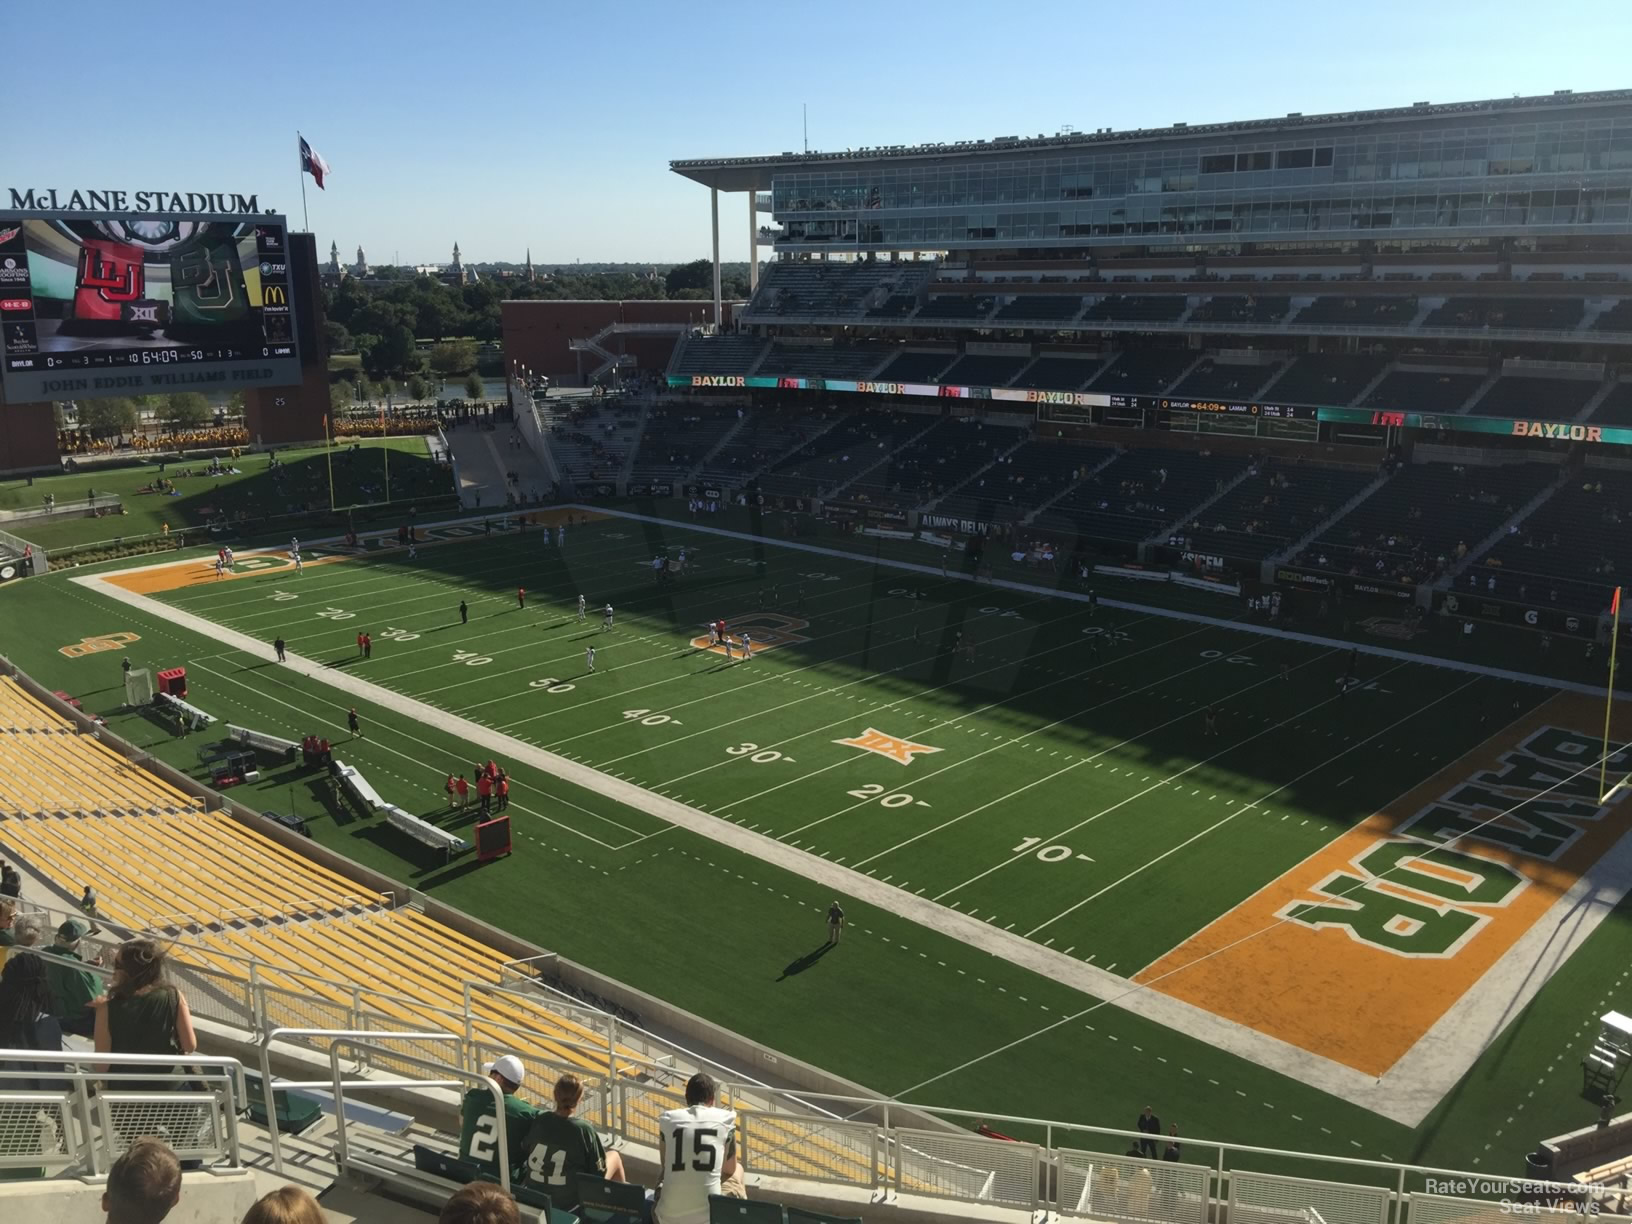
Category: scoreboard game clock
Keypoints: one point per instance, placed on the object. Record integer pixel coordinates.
(97, 304)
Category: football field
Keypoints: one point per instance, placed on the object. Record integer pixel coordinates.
(1303, 880)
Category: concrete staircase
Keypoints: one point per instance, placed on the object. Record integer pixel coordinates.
(857, 475)
(1448, 579)
(725, 440)
(1319, 529)
(1075, 484)
(1161, 536)
(634, 446)
(1478, 393)
(1591, 406)
(935, 501)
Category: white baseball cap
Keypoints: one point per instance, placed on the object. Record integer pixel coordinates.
(508, 1066)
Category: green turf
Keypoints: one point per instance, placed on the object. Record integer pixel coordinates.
(1040, 738)
(359, 477)
(1363, 619)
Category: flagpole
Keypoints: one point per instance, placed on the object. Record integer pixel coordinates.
(305, 220)
(1609, 694)
(328, 451)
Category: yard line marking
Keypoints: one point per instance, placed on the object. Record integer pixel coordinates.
(1064, 769)
(326, 721)
(819, 663)
(1224, 820)
(942, 725)
(923, 778)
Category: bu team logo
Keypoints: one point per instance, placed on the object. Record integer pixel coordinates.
(96, 645)
(767, 629)
(898, 750)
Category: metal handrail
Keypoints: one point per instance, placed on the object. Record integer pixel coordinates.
(71, 1065)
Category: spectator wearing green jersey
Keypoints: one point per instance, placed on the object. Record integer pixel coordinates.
(560, 1146)
(479, 1129)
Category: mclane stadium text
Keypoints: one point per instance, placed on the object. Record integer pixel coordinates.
(138, 201)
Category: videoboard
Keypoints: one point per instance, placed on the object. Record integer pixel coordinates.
(99, 304)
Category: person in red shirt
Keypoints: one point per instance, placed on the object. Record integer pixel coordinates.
(359, 643)
(368, 647)
(463, 789)
(453, 791)
(503, 787)
(521, 597)
(492, 770)
(484, 793)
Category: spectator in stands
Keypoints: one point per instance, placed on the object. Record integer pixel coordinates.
(11, 881)
(26, 1022)
(144, 1184)
(480, 1203)
(87, 905)
(559, 1147)
(286, 1205)
(691, 1173)
(479, 1131)
(72, 989)
(142, 1013)
(26, 931)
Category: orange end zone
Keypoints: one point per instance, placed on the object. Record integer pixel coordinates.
(1357, 952)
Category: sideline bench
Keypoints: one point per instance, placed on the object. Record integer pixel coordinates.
(424, 831)
(356, 786)
(192, 718)
(269, 744)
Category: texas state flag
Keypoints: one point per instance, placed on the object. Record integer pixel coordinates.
(311, 162)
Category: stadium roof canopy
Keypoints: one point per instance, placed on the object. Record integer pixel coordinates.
(754, 173)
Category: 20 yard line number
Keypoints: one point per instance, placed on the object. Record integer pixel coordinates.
(894, 799)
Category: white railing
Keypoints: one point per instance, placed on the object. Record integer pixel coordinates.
(1098, 1173)
(60, 1115)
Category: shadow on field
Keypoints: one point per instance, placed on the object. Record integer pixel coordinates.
(807, 961)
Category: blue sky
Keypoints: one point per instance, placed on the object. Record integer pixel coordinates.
(504, 124)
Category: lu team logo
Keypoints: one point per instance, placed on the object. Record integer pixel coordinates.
(98, 644)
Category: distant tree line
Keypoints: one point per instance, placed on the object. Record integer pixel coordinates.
(380, 324)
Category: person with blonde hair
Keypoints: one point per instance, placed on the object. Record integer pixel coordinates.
(286, 1205)
(560, 1146)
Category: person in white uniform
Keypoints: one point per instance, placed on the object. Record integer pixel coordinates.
(699, 1155)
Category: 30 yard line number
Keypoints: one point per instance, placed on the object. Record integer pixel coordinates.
(756, 754)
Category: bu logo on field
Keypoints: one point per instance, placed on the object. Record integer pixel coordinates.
(98, 644)
(898, 750)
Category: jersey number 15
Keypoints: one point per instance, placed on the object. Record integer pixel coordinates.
(705, 1149)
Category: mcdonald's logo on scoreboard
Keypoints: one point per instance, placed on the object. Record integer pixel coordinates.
(274, 295)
